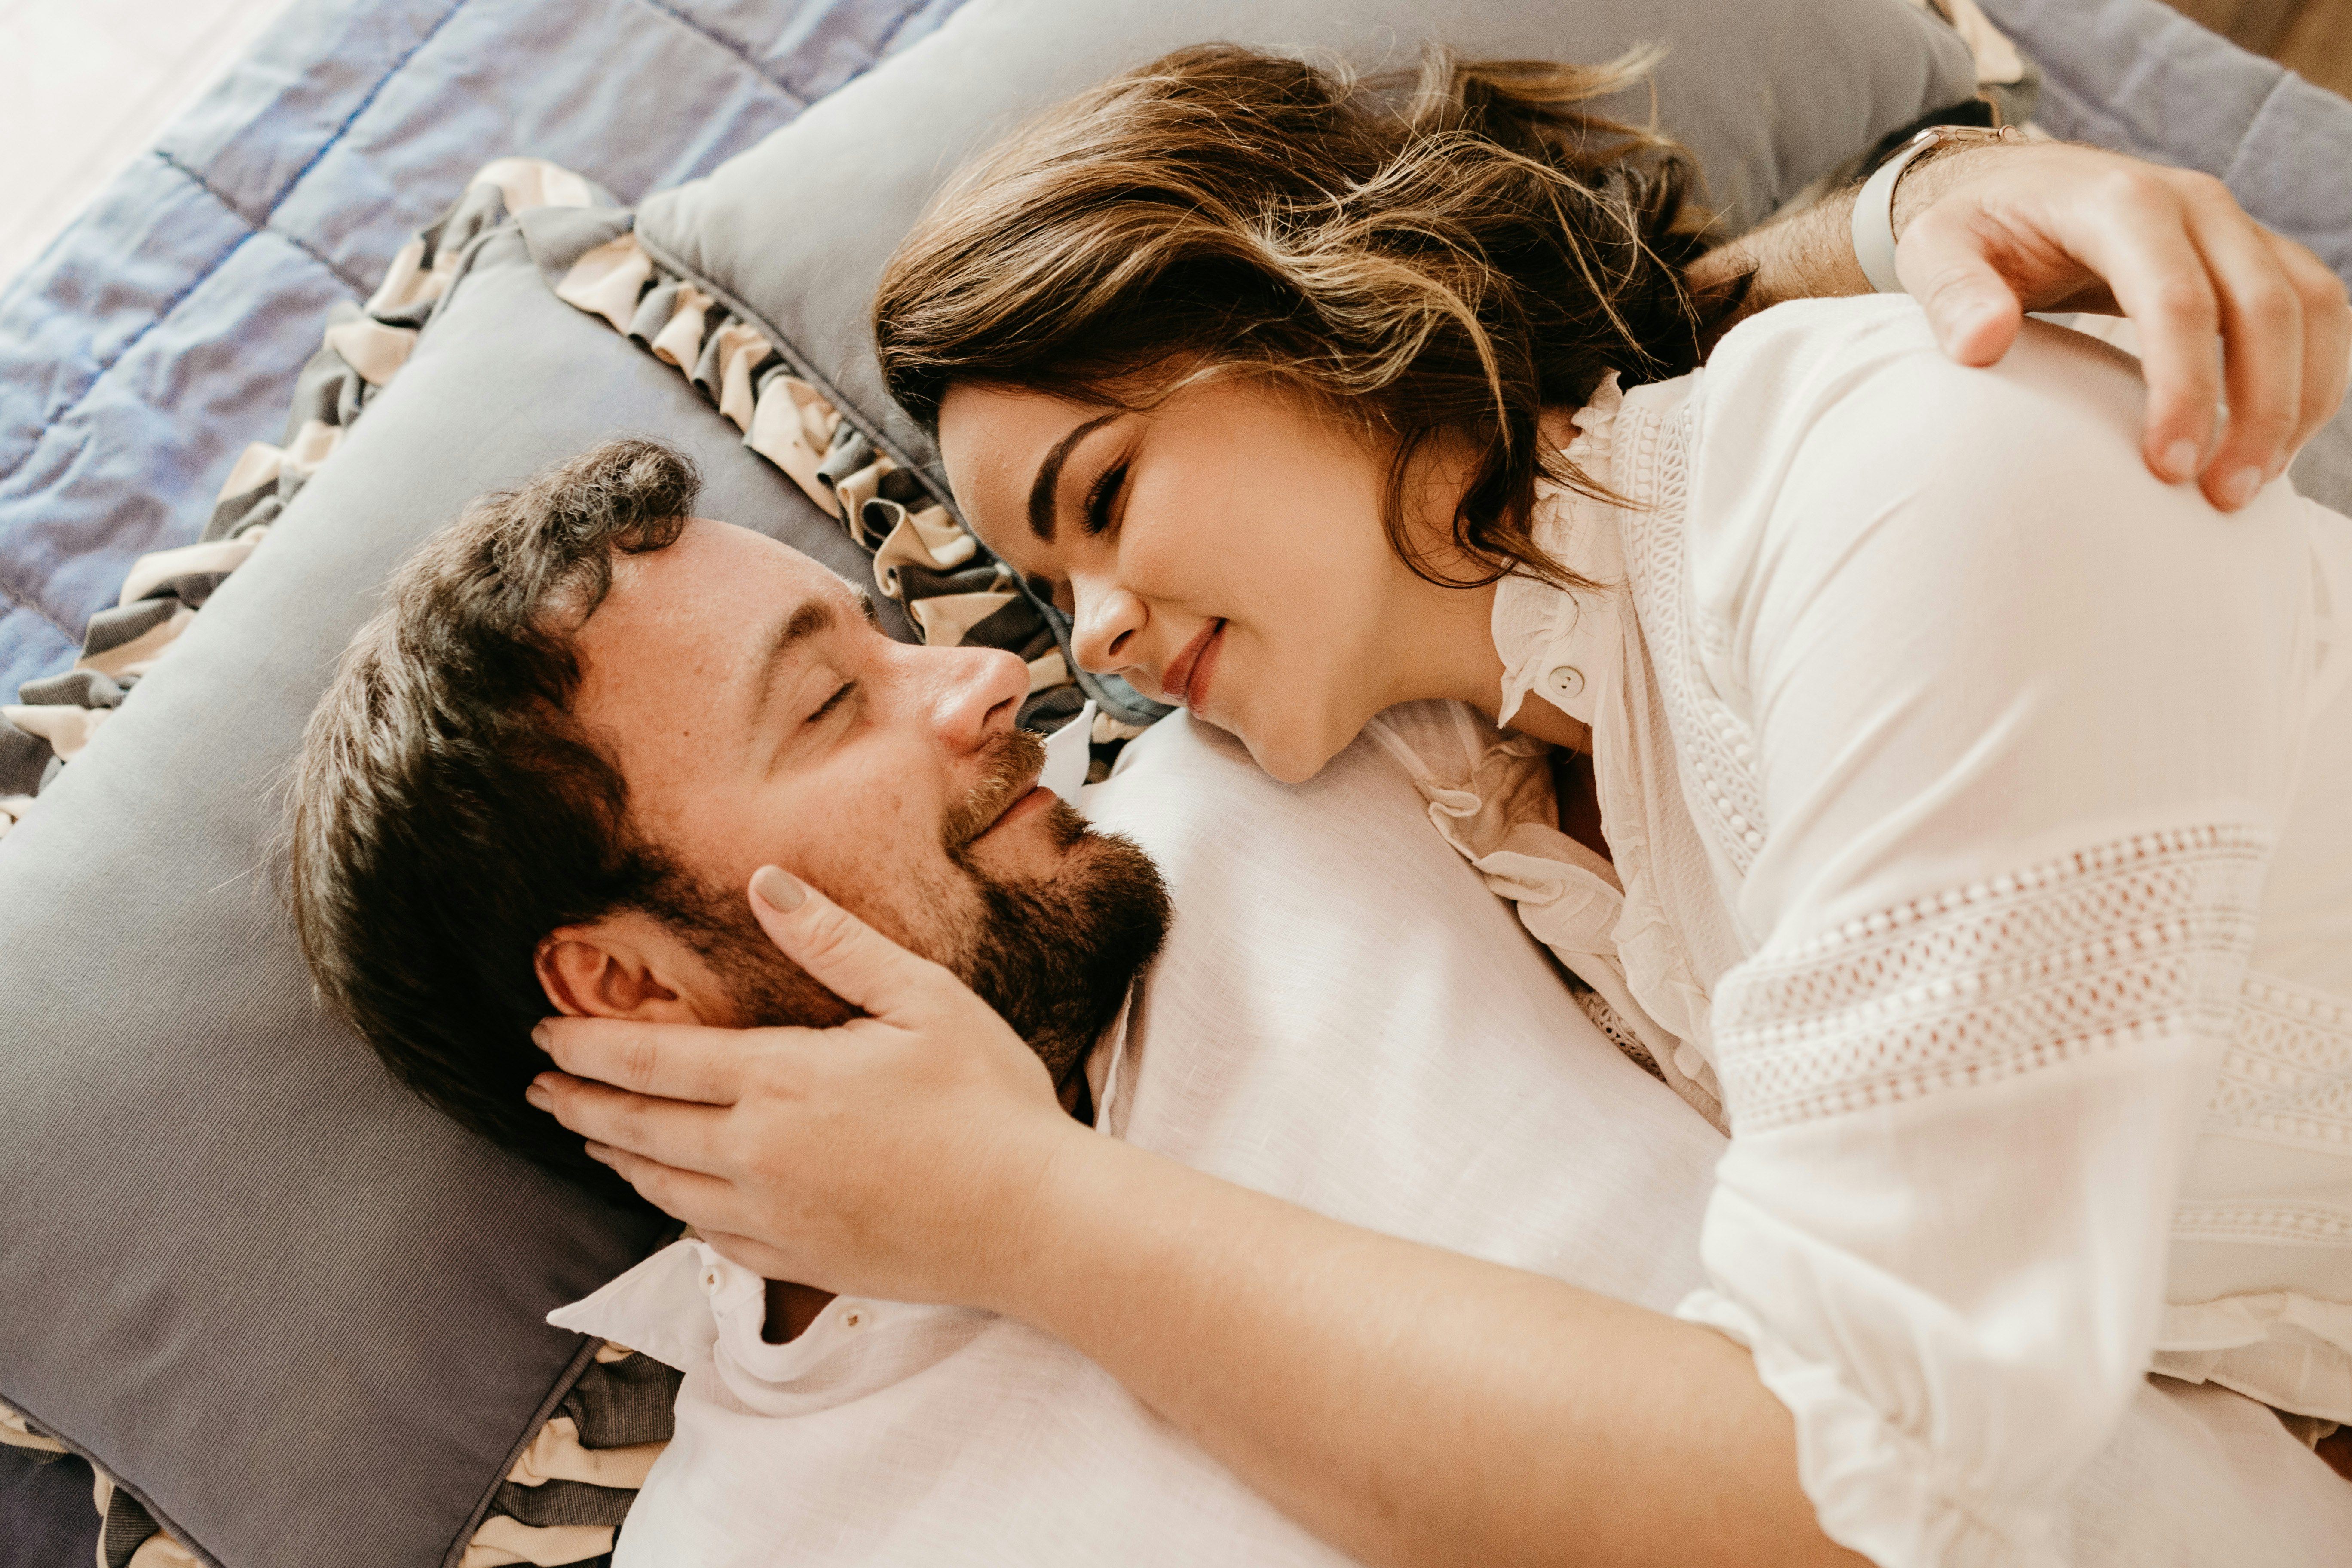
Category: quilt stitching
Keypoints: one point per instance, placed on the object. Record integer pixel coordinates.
(264, 226)
(890, 36)
(169, 308)
(24, 600)
(797, 95)
(367, 101)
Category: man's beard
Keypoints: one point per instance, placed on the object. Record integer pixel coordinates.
(1054, 956)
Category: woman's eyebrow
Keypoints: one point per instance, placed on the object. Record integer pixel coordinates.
(1049, 475)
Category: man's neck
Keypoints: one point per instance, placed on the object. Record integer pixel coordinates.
(790, 1309)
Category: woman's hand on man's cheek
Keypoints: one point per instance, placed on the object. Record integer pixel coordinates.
(892, 1156)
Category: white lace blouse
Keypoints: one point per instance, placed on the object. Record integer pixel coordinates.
(1980, 812)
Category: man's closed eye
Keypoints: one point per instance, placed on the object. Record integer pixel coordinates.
(841, 694)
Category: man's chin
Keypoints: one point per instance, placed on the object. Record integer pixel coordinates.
(1056, 955)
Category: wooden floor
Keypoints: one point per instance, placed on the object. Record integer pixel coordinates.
(2313, 37)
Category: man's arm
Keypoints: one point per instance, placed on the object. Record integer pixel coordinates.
(1988, 232)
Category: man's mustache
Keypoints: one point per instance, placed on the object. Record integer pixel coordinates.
(1010, 767)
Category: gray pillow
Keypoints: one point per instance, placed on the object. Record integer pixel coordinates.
(793, 232)
(297, 1312)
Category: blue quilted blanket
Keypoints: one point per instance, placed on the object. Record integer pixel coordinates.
(164, 330)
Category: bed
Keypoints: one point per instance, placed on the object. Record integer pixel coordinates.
(166, 329)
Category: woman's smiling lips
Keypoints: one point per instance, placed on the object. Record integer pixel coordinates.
(1186, 679)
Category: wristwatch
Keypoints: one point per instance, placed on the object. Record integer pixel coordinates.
(1873, 209)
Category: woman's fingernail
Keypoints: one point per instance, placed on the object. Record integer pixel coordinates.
(2180, 459)
(537, 1095)
(543, 1037)
(598, 1153)
(778, 889)
(2240, 488)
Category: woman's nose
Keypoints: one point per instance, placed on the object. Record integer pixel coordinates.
(1103, 631)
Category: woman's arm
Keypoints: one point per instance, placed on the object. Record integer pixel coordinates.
(1412, 1405)
(1988, 232)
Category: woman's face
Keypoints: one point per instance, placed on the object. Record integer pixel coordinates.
(1223, 551)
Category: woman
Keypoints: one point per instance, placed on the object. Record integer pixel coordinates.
(1936, 791)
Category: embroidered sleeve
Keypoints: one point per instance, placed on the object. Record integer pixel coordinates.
(2127, 944)
(2024, 726)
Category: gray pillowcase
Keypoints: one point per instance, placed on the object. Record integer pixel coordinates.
(793, 232)
(295, 1312)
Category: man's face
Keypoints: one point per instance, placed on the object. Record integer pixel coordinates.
(760, 718)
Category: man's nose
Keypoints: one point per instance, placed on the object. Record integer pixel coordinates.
(1105, 626)
(982, 697)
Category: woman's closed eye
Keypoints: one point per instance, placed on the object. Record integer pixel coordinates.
(1103, 498)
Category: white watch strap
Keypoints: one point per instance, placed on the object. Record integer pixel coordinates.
(1873, 217)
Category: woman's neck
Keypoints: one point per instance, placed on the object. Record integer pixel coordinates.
(1444, 648)
(1443, 638)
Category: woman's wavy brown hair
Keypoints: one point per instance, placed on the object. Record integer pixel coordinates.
(1439, 259)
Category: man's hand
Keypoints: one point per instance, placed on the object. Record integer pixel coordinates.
(891, 1156)
(1987, 233)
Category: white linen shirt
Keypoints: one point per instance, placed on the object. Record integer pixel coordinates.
(1981, 818)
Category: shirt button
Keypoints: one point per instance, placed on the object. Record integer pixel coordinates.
(1566, 681)
(853, 1318)
(711, 1281)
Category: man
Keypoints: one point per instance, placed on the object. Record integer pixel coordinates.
(546, 771)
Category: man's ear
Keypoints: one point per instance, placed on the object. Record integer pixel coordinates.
(614, 970)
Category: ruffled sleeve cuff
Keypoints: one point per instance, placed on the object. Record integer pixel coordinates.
(1876, 1490)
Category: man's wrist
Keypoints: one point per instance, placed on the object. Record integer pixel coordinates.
(1805, 254)
(1936, 173)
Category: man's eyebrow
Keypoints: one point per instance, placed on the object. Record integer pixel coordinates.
(1049, 475)
(812, 616)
